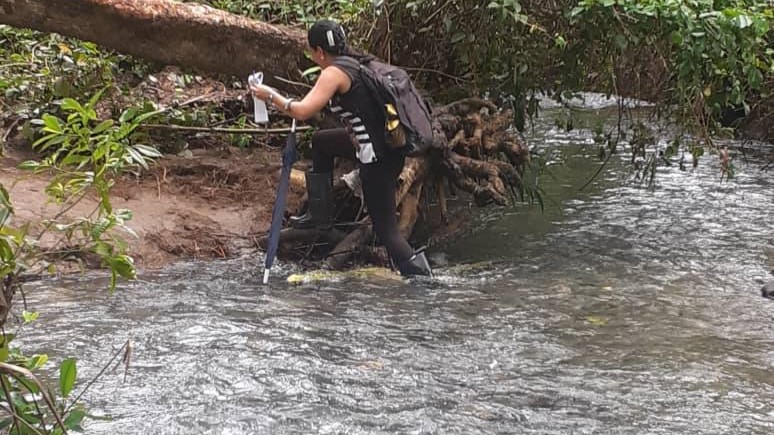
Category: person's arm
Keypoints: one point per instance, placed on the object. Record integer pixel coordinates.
(330, 81)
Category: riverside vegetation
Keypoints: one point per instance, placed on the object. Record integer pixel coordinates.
(706, 65)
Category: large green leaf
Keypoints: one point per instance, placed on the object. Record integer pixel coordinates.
(37, 361)
(5, 340)
(6, 250)
(5, 197)
(124, 266)
(128, 114)
(47, 141)
(147, 150)
(29, 165)
(70, 104)
(124, 214)
(101, 226)
(140, 118)
(52, 124)
(102, 126)
(5, 212)
(135, 157)
(310, 71)
(67, 375)
(94, 99)
(31, 386)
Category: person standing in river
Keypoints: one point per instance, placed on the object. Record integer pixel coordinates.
(363, 140)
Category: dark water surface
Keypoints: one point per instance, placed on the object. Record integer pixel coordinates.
(617, 310)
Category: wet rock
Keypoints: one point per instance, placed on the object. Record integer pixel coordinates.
(767, 291)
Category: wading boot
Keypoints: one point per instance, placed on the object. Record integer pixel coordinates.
(416, 265)
(319, 214)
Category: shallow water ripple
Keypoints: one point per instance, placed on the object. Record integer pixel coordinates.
(617, 310)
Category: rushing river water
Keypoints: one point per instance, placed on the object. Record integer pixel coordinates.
(616, 310)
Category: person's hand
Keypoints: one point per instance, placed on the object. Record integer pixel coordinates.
(262, 92)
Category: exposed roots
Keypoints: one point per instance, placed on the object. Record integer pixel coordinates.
(474, 150)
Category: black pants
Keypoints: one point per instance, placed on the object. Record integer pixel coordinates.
(379, 182)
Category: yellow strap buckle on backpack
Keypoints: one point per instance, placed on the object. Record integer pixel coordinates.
(396, 137)
(392, 117)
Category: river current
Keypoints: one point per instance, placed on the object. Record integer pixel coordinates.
(618, 309)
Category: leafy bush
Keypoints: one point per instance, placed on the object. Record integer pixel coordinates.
(83, 154)
(294, 12)
(716, 53)
(38, 69)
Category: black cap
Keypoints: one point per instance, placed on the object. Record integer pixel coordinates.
(328, 35)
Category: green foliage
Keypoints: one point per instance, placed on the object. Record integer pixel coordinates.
(294, 12)
(29, 317)
(11, 239)
(29, 407)
(716, 53)
(84, 154)
(240, 140)
(81, 140)
(529, 188)
(483, 43)
(697, 59)
(36, 69)
(67, 374)
(707, 56)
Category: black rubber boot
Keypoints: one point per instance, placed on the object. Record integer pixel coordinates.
(319, 214)
(416, 265)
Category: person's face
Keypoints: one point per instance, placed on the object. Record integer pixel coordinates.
(318, 55)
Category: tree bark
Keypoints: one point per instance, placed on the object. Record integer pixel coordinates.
(169, 32)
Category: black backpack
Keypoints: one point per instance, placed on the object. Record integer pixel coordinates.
(409, 130)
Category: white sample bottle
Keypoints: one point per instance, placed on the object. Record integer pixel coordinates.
(260, 115)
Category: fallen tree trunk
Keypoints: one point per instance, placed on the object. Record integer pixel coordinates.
(169, 32)
(473, 147)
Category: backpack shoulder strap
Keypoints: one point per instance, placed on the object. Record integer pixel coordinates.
(349, 65)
